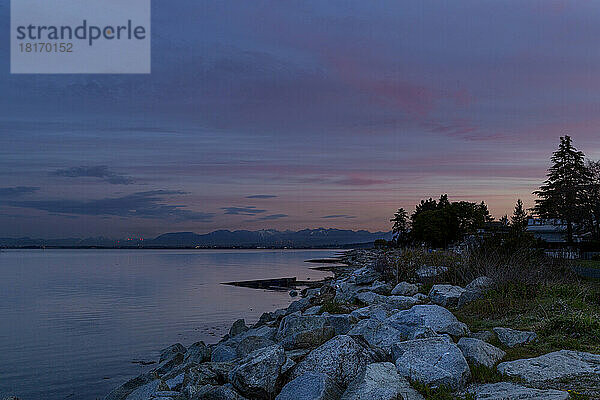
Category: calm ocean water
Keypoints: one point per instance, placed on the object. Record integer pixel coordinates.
(72, 321)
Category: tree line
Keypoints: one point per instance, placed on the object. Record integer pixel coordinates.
(570, 193)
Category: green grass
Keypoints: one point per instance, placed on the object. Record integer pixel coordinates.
(440, 393)
(483, 374)
(565, 316)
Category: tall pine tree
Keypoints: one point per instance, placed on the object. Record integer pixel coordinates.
(563, 194)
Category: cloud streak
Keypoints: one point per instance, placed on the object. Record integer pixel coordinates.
(17, 191)
(248, 210)
(150, 204)
(261, 196)
(101, 172)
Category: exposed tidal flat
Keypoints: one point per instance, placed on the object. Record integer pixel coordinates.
(77, 323)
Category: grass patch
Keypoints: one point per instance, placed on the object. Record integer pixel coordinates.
(564, 315)
(483, 374)
(440, 393)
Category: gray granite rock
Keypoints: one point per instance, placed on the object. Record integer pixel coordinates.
(380, 311)
(121, 392)
(378, 333)
(197, 353)
(486, 336)
(380, 381)
(365, 276)
(379, 288)
(168, 365)
(475, 290)
(223, 352)
(557, 366)
(238, 327)
(145, 392)
(259, 374)
(341, 323)
(295, 323)
(345, 291)
(314, 310)
(478, 352)
(432, 316)
(170, 351)
(342, 358)
(252, 343)
(176, 382)
(211, 392)
(435, 361)
(445, 295)
(310, 386)
(299, 305)
(405, 289)
(309, 338)
(398, 302)
(510, 391)
(511, 337)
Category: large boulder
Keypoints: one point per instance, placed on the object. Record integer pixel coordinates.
(405, 289)
(252, 343)
(259, 374)
(511, 337)
(299, 305)
(556, 367)
(378, 333)
(380, 381)
(365, 276)
(475, 290)
(379, 288)
(197, 353)
(509, 391)
(380, 311)
(399, 302)
(146, 391)
(345, 291)
(223, 352)
(295, 323)
(213, 392)
(304, 331)
(171, 351)
(125, 389)
(435, 361)
(445, 295)
(478, 352)
(341, 323)
(238, 327)
(414, 322)
(343, 358)
(310, 386)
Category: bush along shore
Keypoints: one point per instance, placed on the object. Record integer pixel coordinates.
(395, 324)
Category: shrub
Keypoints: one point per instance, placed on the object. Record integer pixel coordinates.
(510, 262)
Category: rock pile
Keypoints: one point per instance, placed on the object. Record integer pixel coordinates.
(389, 338)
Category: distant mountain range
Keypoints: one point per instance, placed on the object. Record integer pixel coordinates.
(305, 238)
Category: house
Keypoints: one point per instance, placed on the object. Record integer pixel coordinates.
(550, 230)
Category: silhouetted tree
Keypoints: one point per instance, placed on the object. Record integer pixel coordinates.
(401, 226)
(440, 223)
(563, 194)
(593, 198)
(518, 221)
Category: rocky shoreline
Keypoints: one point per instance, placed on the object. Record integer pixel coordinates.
(357, 337)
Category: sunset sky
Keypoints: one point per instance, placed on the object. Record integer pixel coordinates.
(301, 114)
